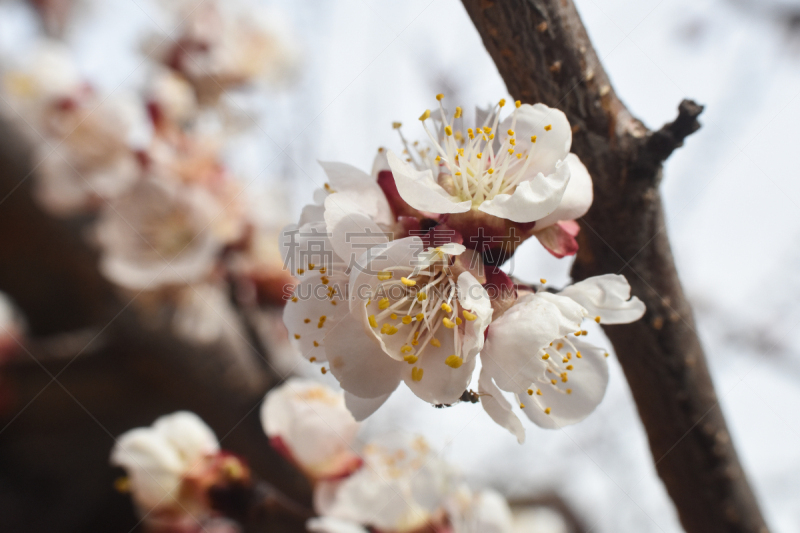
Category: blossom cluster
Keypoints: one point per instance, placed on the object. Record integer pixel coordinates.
(399, 277)
(390, 484)
(172, 224)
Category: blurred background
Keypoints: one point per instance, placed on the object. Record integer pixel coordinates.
(732, 199)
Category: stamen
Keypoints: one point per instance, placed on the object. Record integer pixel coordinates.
(416, 373)
(454, 361)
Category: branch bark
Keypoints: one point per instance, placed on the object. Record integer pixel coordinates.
(544, 54)
(56, 434)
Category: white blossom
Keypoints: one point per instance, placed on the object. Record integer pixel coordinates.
(485, 511)
(535, 351)
(309, 423)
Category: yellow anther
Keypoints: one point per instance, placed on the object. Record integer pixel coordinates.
(597, 319)
(301, 271)
(408, 282)
(122, 484)
(410, 359)
(545, 357)
(393, 316)
(569, 391)
(454, 361)
(577, 333)
(421, 297)
(446, 307)
(570, 367)
(324, 279)
(547, 411)
(512, 142)
(435, 342)
(297, 336)
(316, 344)
(420, 317)
(407, 319)
(533, 138)
(605, 354)
(449, 324)
(438, 158)
(458, 321)
(511, 132)
(384, 275)
(461, 152)
(522, 406)
(490, 171)
(478, 130)
(322, 270)
(502, 102)
(552, 381)
(306, 320)
(491, 136)
(519, 156)
(530, 392)
(311, 266)
(397, 125)
(487, 129)
(559, 345)
(312, 359)
(548, 127)
(323, 370)
(388, 329)
(294, 298)
(543, 281)
(383, 303)
(458, 113)
(565, 360)
(510, 151)
(416, 373)
(517, 104)
(538, 392)
(439, 96)
(426, 115)
(333, 302)
(458, 173)
(406, 348)
(448, 131)
(469, 316)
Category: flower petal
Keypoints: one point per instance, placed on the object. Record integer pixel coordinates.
(362, 408)
(439, 383)
(352, 231)
(420, 190)
(303, 317)
(559, 239)
(577, 197)
(188, 434)
(498, 408)
(552, 145)
(473, 297)
(357, 360)
(571, 401)
(511, 351)
(329, 524)
(532, 199)
(607, 296)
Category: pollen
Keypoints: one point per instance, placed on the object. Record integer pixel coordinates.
(420, 317)
(530, 392)
(533, 138)
(454, 361)
(383, 276)
(538, 392)
(510, 151)
(458, 113)
(389, 329)
(597, 319)
(490, 171)
(570, 367)
(421, 297)
(435, 342)
(383, 303)
(553, 382)
(372, 321)
(410, 358)
(545, 357)
(449, 324)
(448, 130)
(547, 411)
(522, 406)
(407, 319)
(408, 282)
(517, 104)
(393, 316)
(578, 355)
(469, 316)
(559, 346)
(502, 102)
(446, 308)
(406, 348)
(439, 96)
(416, 373)
(548, 127)
(479, 155)
(511, 132)
(542, 281)
(325, 280)
(426, 115)
(458, 321)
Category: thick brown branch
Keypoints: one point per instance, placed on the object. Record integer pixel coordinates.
(543, 53)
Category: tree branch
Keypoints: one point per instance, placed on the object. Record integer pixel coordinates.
(543, 53)
(61, 410)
